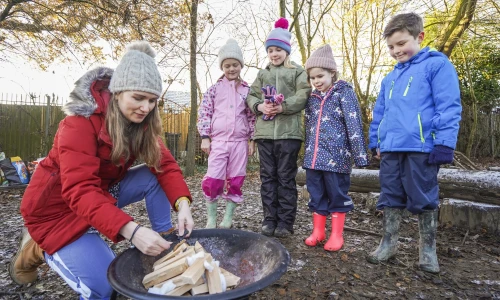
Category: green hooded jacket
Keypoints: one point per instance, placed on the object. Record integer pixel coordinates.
(293, 84)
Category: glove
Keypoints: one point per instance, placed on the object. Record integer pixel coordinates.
(270, 96)
(441, 155)
(374, 152)
(269, 92)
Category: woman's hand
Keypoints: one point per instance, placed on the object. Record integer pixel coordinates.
(146, 240)
(184, 218)
(205, 145)
(251, 148)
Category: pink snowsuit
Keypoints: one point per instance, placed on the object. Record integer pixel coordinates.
(225, 118)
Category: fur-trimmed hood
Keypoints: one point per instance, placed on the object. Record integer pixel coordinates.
(82, 101)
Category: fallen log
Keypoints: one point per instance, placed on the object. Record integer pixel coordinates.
(476, 186)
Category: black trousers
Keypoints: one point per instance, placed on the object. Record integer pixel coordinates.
(278, 168)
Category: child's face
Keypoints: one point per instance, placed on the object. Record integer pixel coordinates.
(321, 79)
(231, 68)
(136, 105)
(276, 55)
(403, 46)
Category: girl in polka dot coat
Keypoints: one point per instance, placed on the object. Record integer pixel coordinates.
(334, 138)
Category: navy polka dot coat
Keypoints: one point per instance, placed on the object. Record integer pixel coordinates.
(334, 130)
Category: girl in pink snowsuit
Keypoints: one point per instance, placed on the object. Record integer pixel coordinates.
(226, 124)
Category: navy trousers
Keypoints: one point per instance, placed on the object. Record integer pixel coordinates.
(328, 192)
(408, 181)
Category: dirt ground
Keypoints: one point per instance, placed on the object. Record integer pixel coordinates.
(470, 261)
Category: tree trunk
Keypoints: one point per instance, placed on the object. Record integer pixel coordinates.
(298, 33)
(190, 158)
(282, 4)
(452, 32)
(477, 186)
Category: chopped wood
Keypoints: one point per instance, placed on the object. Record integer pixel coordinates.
(194, 272)
(198, 290)
(213, 279)
(181, 290)
(198, 247)
(171, 254)
(165, 273)
(231, 279)
(181, 273)
(183, 242)
(188, 252)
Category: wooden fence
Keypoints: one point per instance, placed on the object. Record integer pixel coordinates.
(28, 124)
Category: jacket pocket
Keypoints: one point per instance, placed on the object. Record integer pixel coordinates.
(42, 196)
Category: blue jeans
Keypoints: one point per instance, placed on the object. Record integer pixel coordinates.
(84, 263)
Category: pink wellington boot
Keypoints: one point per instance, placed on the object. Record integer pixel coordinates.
(336, 239)
(318, 234)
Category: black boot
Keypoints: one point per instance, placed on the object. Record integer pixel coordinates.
(389, 243)
(427, 225)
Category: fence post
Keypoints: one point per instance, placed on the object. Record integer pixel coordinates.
(47, 123)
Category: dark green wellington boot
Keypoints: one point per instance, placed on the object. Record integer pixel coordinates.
(389, 243)
(427, 226)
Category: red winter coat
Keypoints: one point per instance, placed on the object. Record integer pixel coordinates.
(68, 192)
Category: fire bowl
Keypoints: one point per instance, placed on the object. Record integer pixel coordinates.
(256, 259)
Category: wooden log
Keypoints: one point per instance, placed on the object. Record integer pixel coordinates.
(188, 252)
(165, 273)
(476, 186)
(198, 247)
(171, 254)
(181, 290)
(198, 290)
(213, 279)
(231, 279)
(194, 272)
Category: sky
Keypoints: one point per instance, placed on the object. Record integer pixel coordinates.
(20, 76)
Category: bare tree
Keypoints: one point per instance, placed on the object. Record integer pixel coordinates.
(190, 159)
(43, 31)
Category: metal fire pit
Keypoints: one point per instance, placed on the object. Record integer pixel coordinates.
(256, 259)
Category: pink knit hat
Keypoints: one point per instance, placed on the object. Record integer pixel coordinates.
(322, 58)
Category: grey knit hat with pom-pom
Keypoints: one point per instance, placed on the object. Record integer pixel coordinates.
(137, 71)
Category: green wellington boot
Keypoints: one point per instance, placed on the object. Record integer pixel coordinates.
(427, 225)
(389, 243)
(228, 216)
(211, 214)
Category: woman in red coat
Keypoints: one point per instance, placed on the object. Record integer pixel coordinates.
(78, 190)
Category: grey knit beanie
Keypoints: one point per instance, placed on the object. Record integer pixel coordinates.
(322, 58)
(137, 71)
(230, 50)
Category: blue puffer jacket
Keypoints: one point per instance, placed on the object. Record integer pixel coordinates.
(334, 131)
(418, 106)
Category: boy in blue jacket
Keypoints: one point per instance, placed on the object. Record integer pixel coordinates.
(414, 130)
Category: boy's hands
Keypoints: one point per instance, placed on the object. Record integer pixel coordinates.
(251, 148)
(441, 155)
(376, 153)
(205, 145)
